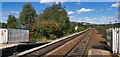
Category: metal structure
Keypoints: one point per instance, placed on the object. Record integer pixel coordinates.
(13, 35)
(113, 37)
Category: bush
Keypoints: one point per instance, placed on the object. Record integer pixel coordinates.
(52, 36)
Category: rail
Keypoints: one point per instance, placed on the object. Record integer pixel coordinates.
(48, 47)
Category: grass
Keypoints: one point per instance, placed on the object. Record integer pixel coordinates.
(40, 40)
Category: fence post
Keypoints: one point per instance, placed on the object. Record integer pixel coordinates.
(113, 41)
(119, 39)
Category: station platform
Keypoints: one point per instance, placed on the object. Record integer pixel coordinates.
(99, 53)
(2, 46)
(100, 48)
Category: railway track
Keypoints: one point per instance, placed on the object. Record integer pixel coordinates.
(72, 45)
(80, 49)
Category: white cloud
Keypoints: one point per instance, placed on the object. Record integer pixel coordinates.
(70, 12)
(4, 17)
(84, 10)
(57, 1)
(37, 12)
(14, 12)
(46, 1)
(114, 5)
(16, 16)
(101, 20)
(71, 17)
(6, 13)
(87, 19)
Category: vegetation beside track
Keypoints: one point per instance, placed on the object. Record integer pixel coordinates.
(47, 25)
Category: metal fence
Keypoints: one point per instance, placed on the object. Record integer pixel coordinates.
(17, 35)
(113, 37)
(13, 35)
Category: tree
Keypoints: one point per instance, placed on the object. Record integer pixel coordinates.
(27, 16)
(52, 23)
(58, 14)
(46, 28)
(55, 12)
(0, 25)
(11, 21)
(4, 25)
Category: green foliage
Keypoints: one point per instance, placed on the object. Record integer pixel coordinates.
(52, 36)
(3, 25)
(57, 13)
(102, 30)
(0, 25)
(11, 22)
(46, 27)
(43, 39)
(51, 23)
(27, 16)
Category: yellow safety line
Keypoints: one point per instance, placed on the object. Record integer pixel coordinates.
(119, 55)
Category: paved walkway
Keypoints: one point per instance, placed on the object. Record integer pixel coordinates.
(98, 50)
(99, 53)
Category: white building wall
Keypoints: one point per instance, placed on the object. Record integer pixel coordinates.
(3, 35)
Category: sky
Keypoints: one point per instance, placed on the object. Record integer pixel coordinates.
(91, 12)
(60, 1)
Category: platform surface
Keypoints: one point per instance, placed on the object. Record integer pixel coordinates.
(7, 45)
(99, 53)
